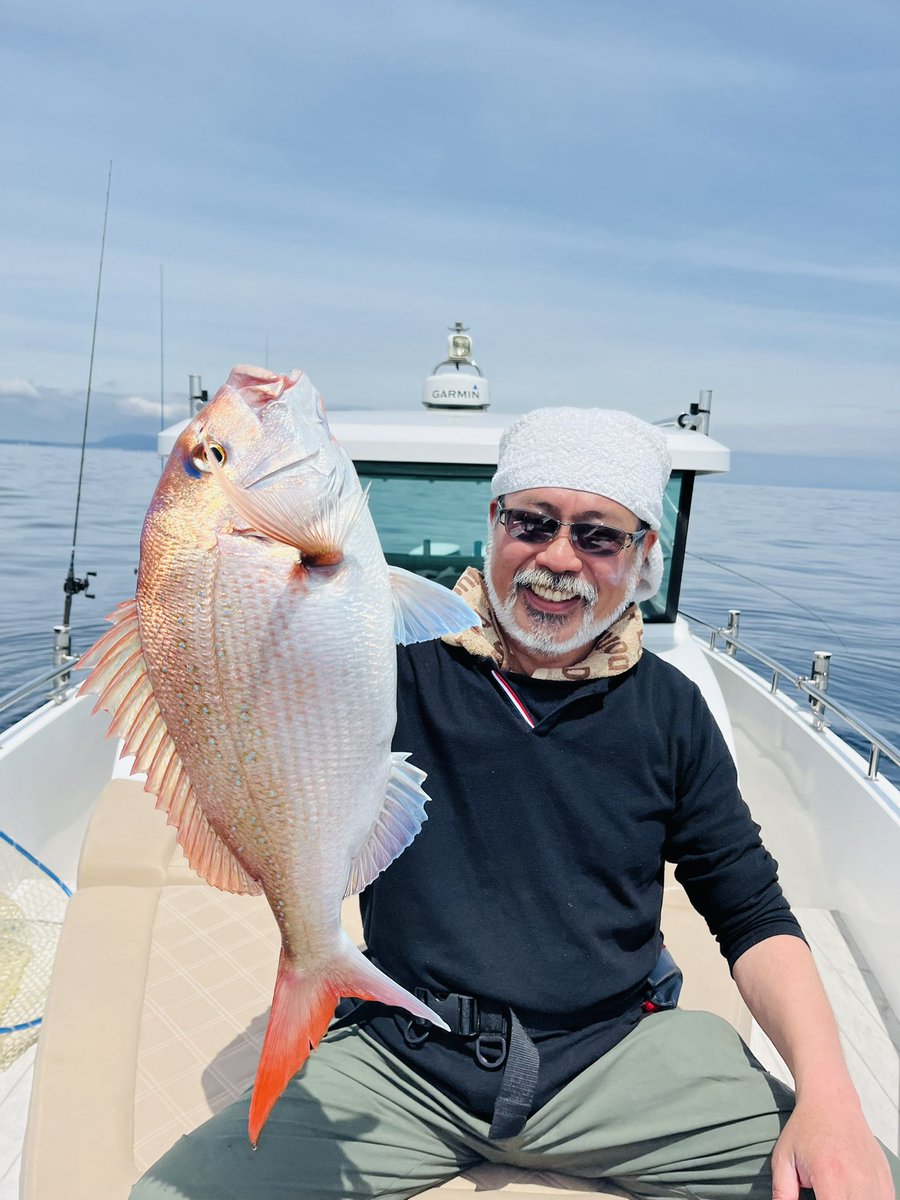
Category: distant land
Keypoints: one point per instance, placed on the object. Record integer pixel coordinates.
(772, 470)
(119, 441)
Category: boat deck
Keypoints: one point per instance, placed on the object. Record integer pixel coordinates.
(197, 964)
(15, 1091)
(869, 1030)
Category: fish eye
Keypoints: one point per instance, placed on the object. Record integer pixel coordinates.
(200, 461)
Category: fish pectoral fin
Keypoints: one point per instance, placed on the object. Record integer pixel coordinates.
(424, 610)
(400, 819)
(284, 515)
(120, 679)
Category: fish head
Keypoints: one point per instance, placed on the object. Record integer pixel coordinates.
(262, 433)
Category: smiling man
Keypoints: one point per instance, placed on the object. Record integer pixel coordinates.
(554, 595)
(566, 767)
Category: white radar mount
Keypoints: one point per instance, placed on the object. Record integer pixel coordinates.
(457, 382)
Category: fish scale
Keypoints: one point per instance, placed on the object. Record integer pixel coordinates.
(254, 679)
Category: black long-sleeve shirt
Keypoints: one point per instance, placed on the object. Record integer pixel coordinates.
(537, 879)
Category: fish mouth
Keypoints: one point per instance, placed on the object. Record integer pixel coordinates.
(282, 470)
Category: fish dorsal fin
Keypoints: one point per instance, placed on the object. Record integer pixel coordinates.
(120, 679)
(400, 819)
(424, 610)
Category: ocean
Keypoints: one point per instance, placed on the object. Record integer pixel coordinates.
(809, 568)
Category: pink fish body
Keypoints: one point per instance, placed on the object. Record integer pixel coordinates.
(253, 677)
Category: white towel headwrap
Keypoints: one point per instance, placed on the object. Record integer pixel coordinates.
(599, 450)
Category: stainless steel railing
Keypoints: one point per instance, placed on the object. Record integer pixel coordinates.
(58, 676)
(813, 685)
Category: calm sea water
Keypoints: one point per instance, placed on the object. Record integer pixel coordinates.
(810, 569)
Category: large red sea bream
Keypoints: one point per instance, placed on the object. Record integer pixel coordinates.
(253, 678)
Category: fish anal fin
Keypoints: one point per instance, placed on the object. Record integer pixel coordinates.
(205, 851)
(424, 610)
(400, 819)
(122, 682)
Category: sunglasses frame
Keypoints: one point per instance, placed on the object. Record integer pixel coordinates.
(574, 538)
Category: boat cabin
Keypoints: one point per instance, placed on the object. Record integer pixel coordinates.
(429, 472)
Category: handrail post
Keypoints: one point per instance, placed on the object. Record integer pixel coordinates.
(874, 756)
(813, 687)
(732, 629)
(62, 646)
(821, 665)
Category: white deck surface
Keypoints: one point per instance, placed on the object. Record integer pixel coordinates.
(868, 1029)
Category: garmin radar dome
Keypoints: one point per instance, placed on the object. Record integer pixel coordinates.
(457, 382)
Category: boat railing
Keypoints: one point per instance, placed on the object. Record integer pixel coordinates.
(58, 677)
(814, 686)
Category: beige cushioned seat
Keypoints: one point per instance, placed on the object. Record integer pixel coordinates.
(158, 1005)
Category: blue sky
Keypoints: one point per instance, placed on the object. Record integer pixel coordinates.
(626, 202)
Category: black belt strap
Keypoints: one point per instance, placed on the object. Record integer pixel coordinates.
(513, 1104)
(500, 1041)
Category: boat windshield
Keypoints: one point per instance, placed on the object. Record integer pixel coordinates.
(432, 519)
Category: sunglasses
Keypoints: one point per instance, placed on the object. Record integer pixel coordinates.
(539, 530)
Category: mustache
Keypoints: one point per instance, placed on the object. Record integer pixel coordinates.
(569, 585)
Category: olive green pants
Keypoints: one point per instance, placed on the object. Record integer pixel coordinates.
(676, 1109)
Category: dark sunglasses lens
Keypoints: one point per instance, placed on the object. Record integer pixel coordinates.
(528, 526)
(598, 539)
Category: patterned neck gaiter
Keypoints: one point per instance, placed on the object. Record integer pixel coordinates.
(614, 652)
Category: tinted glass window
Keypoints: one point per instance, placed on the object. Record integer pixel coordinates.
(432, 519)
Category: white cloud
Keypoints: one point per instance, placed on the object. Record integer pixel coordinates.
(665, 200)
(17, 389)
(140, 406)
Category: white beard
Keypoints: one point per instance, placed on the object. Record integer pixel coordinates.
(544, 639)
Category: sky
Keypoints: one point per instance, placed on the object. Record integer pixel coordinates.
(626, 202)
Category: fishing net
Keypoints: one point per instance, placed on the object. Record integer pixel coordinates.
(32, 905)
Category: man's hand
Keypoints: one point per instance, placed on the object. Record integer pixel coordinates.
(828, 1147)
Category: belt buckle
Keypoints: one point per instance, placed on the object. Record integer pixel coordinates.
(460, 1012)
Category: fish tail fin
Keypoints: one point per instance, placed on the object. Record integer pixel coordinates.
(302, 1008)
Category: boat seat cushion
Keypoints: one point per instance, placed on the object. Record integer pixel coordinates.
(155, 1019)
(128, 842)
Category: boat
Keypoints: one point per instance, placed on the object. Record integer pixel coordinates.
(160, 986)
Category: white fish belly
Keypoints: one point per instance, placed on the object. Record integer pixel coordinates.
(307, 672)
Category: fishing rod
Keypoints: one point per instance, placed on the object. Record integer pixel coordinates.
(73, 585)
(766, 587)
(758, 583)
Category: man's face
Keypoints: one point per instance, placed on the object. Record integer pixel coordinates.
(553, 599)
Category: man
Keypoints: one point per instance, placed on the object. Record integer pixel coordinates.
(565, 766)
